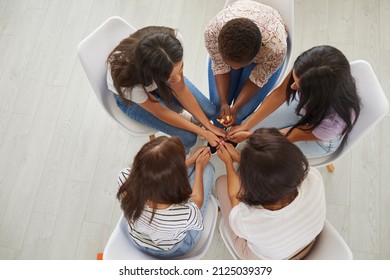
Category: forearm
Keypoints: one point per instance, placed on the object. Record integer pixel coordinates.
(268, 106)
(197, 190)
(298, 134)
(273, 101)
(222, 84)
(233, 184)
(248, 91)
(189, 102)
(172, 118)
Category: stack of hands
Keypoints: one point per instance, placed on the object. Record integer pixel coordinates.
(225, 151)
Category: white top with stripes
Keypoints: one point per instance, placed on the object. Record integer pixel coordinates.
(282, 233)
(168, 227)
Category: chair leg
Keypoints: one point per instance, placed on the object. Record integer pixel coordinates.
(330, 168)
(152, 137)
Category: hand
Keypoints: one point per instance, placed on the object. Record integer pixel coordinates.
(191, 160)
(213, 139)
(231, 121)
(224, 111)
(224, 154)
(226, 117)
(203, 158)
(221, 133)
(238, 134)
(232, 151)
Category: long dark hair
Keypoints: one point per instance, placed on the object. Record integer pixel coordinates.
(271, 168)
(158, 175)
(146, 56)
(325, 81)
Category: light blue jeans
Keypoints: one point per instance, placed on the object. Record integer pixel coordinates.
(192, 236)
(284, 117)
(143, 116)
(238, 78)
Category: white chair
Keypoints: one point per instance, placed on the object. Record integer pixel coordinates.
(374, 107)
(93, 52)
(329, 244)
(286, 10)
(121, 246)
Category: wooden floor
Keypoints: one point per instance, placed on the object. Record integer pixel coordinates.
(60, 153)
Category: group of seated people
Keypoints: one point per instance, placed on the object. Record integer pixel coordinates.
(272, 201)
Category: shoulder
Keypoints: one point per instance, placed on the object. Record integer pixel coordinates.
(313, 183)
(123, 175)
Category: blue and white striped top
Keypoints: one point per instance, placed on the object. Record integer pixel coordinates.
(168, 227)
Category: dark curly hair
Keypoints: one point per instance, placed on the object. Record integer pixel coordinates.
(239, 40)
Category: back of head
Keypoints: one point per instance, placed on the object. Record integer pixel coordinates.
(271, 168)
(325, 81)
(158, 175)
(146, 56)
(155, 55)
(239, 40)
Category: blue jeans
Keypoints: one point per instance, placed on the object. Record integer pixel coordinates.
(143, 116)
(192, 236)
(238, 78)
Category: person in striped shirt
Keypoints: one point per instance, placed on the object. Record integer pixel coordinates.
(274, 204)
(164, 212)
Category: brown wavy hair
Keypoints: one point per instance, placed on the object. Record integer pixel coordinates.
(158, 175)
(271, 168)
(146, 56)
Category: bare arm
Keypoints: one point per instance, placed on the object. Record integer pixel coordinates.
(189, 102)
(200, 164)
(272, 102)
(299, 135)
(222, 84)
(170, 117)
(248, 91)
(232, 177)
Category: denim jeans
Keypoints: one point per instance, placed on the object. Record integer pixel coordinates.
(238, 78)
(143, 116)
(284, 117)
(192, 236)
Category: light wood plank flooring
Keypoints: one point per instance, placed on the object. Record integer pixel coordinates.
(60, 153)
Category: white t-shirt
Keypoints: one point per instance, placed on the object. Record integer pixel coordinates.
(281, 234)
(137, 94)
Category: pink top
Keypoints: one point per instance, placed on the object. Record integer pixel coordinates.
(331, 126)
(274, 38)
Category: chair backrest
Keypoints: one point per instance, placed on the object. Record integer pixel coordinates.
(329, 244)
(93, 52)
(374, 107)
(223, 230)
(286, 10)
(121, 246)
